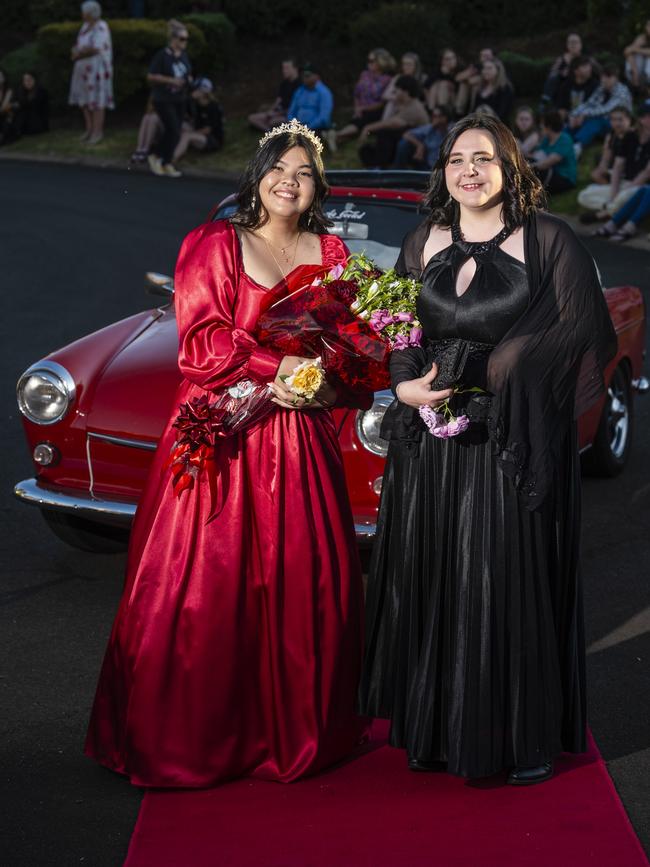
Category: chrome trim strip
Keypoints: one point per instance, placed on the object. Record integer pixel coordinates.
(123, 441)
(91, 478)
(77, 502)
(365, 532)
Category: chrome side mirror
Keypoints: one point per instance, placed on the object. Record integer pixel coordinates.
(158, 284)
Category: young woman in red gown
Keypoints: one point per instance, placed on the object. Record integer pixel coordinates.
(237, 644)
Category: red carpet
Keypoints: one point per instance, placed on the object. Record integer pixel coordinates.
(373, 812)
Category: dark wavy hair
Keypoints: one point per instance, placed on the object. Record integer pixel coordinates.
(523, 192)
(250, 213)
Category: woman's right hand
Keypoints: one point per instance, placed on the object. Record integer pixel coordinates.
(417, 392)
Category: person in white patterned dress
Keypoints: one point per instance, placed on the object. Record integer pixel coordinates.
(91, 87)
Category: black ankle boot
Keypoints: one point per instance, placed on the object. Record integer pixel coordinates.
(530, 776)
(421, 765)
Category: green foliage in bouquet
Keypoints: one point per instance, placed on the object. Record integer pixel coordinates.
(386, 299)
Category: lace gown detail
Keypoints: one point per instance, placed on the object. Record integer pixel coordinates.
(474, 636)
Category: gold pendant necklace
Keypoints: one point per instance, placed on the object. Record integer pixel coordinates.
(293, 259)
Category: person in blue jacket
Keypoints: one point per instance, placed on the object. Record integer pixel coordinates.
(312, 102)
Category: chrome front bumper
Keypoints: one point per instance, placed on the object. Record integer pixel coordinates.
(106, 511)
(76, 502)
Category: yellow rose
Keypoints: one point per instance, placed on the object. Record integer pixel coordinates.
(306, 379)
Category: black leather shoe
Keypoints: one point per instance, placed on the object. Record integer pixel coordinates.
(530, 776)
(421, 765)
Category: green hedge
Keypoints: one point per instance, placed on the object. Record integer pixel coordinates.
(44, 12)
(24, 59)
(264, 19)
(270, 19)
(219, 33)
(135, 41)
(526, 74)
(331, 20)
(402, 27)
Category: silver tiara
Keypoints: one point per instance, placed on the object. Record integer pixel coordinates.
(294, 126)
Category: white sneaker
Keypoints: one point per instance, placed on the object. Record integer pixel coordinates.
(155, 164)
(171, 172)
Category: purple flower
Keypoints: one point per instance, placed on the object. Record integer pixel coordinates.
(379, 319)
(441, 427)
(415, 337)
(457, 425)
(442, 432)
(433, 420)
(401, 341)
(403, 317)
(336, 271)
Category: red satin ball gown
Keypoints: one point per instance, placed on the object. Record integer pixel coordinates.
(237, 645)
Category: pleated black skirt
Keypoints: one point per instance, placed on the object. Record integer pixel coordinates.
(474, 634)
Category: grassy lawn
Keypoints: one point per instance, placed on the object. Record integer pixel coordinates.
(119, 143)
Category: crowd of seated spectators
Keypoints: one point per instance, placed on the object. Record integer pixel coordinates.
(400, 115)
(604, 112)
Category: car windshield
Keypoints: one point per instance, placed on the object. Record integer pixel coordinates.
(375, 228)
(368, 226)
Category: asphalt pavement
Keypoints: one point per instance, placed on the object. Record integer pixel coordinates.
(74, 246)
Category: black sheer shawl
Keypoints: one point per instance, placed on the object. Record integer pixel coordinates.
(548, 368)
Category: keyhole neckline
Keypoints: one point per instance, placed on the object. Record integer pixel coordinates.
(478, 246)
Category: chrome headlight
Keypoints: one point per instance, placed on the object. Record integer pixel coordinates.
(45, 392)
(369, 422)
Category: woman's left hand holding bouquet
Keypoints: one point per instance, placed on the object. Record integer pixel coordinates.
(287, 394)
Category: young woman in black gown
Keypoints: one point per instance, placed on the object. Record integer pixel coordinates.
(474, 635)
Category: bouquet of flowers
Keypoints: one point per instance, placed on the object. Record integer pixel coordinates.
(318, 319)
(385, 300)
(388, 302)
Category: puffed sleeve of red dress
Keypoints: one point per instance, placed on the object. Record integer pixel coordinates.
(215, 349)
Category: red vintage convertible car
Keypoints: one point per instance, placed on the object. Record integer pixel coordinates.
(93, 411)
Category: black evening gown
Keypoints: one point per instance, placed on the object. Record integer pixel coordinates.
(474, 634)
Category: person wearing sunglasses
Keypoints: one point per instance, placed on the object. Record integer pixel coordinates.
(170, 74)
